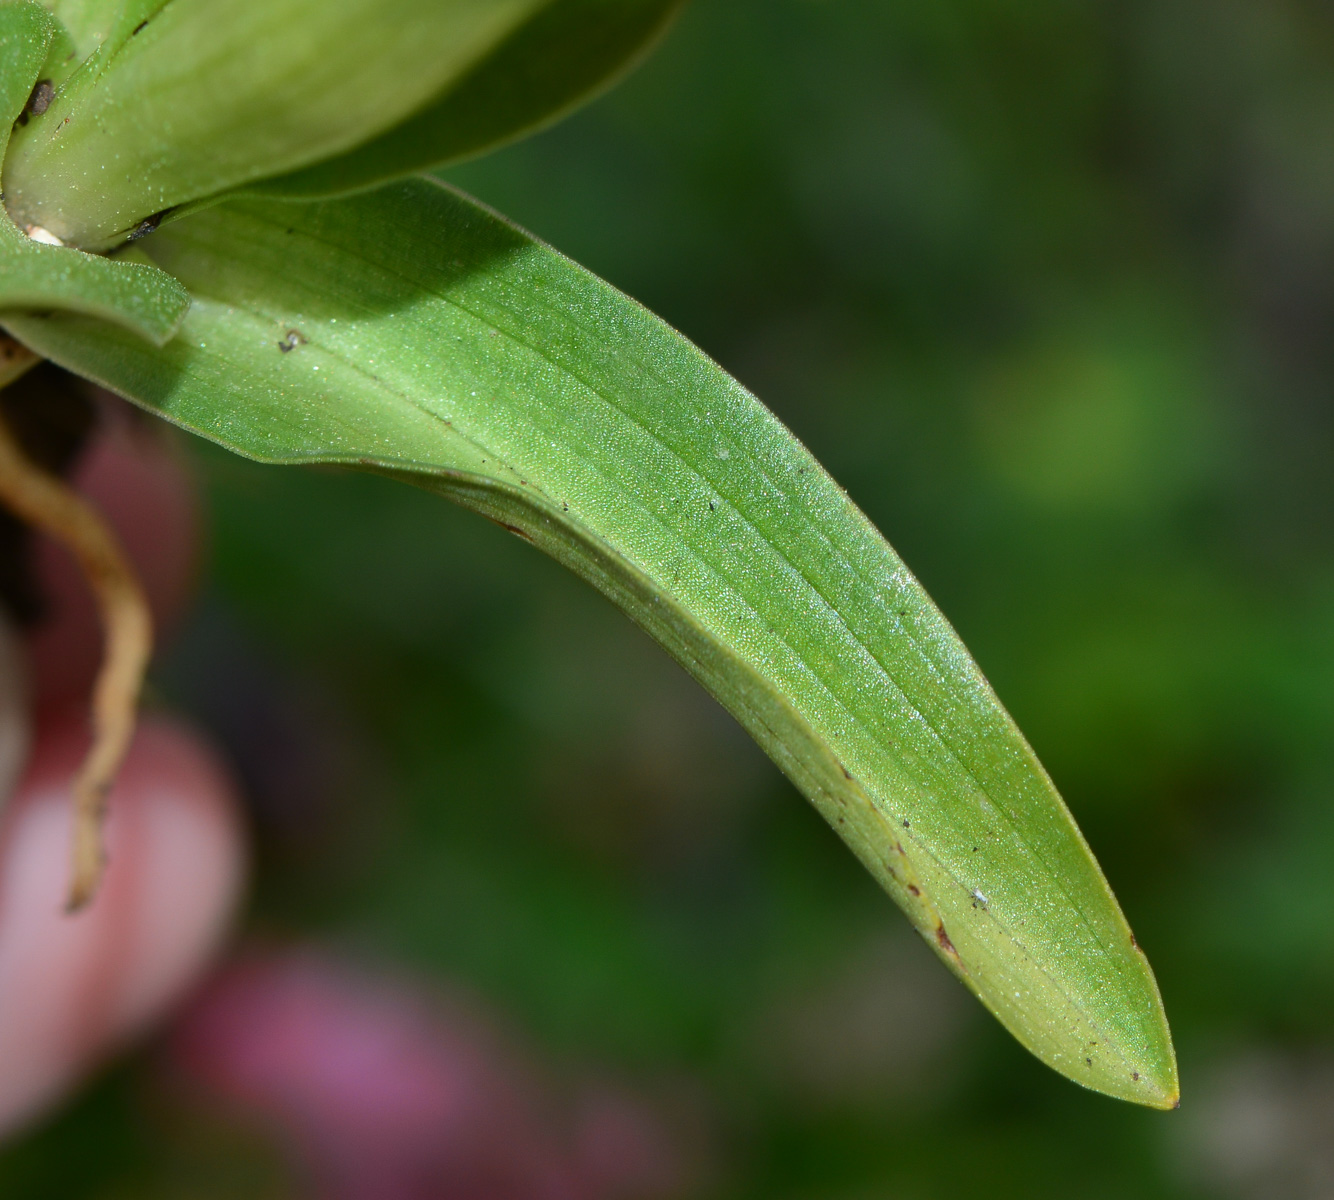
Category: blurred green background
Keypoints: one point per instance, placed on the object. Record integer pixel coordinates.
(1049, 286)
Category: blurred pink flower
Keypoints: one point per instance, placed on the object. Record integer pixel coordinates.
(382, 1092)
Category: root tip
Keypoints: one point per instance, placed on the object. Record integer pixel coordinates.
(82, 893)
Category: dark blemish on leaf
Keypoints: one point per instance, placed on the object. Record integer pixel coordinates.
(147, 225)
(712, 506)
(844, 821)
(944, 939)
(974, 849)
(138, 28)
(293, 339)
(38, 101)
(41, 97)
(905, 824)
(1089, 1061)
(514, 529)
(1135, 1076)
(846, 773)
(1134, 944)
(914, 889)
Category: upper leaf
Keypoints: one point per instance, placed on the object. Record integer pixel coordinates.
(555, 61)
(411, 332)
(185, 105)
(93, 25)
(175, 105)
(38, 276)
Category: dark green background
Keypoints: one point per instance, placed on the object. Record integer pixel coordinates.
(1049, 286)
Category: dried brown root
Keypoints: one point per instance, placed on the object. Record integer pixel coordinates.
(44, 501)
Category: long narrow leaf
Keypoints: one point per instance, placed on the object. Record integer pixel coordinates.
(412, 332)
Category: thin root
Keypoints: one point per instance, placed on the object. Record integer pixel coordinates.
(47, 503)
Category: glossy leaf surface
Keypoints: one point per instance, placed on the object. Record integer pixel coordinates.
(37, 276)
(411, 332)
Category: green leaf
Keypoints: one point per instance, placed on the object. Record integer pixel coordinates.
(566, 53)
(100, 24)
(181, 105)
(411, 332)
(36, 276)
(26, 30)
(86, 21)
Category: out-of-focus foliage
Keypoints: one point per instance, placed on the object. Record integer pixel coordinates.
(1092, 247)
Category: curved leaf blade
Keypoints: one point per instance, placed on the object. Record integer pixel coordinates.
(35, 276)
(181, 105)
(412, 332)
(567, 53)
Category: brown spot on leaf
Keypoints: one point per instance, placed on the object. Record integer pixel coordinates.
(914, 889)
(148, 225)
(944, 939)
(41, 97)
(38, 101)
(292, 339)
